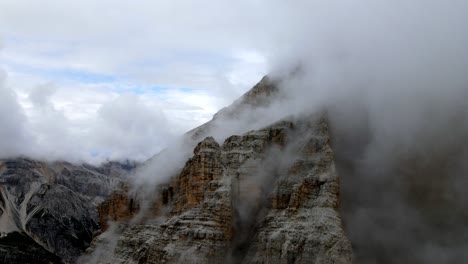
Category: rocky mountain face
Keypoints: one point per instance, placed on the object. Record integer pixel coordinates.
(245, 189)
(270, 195)
(48, 210)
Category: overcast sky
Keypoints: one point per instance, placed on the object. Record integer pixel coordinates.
(93, 80)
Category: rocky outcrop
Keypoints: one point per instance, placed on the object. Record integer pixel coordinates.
(53, 204)
(301, 223)
(225, 119)
(270, 195)
(267, 196)
(120, 206)
(201, 211)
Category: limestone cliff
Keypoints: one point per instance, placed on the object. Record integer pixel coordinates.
(270, 195)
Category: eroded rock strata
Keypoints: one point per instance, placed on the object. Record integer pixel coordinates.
(267, 196)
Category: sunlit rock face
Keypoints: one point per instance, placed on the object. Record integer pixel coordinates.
(119, 206)
(267, 196)
(270, 195)
(51, 207)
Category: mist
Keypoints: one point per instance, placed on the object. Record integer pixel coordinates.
(392, 78)
(123, 128)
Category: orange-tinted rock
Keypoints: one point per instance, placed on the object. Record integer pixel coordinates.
(120, 206)
(199, 171)
(266, 196)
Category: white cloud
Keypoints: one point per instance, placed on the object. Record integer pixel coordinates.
(95, 122)
(14, 135)
(40, 96)
(129, 128)
(131, 38)
(70, 62)
(97, 52)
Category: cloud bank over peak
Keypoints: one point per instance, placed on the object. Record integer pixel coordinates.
(124, 128)
(67, 62)
(392, 76)
(112, 62)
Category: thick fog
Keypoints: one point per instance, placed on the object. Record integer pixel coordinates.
(392, 78)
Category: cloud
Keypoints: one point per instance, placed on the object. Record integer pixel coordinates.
(96, 122)
(45, 123)
(136, 41)
(13, 129)
(391, 76)
(93, 57)
(128, 128)
(40, 96)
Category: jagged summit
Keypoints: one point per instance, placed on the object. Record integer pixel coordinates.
(270, 195)
(258, 96)
(263, 193)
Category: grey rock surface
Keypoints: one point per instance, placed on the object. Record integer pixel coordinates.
(270, 195)
(267, 196)
(54, 204)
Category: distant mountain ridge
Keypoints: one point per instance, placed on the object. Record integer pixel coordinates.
(52, 204)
